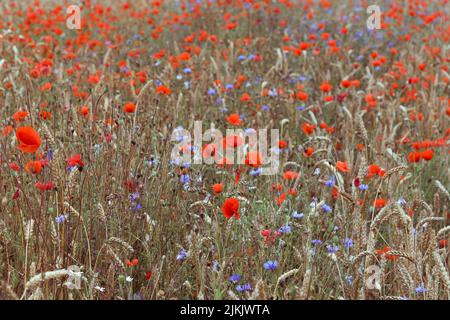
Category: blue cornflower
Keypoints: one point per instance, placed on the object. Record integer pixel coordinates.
(401, 202)
(49, 155)
(270, 265)
(229, 86)
(349, 279)
(348, 242)
(215, 266)
(421, 289)
(235, 278)
(316, 242)
(187, 70)
(273, 92)
(134, 196)
(242, 57)
(61, 218)
(363, 187)
(326, 208)
(265, 108)
(244, 287)
(297, 215)
(137, 207)
(212, 92)
(332, 248)
(255, 172)
(285, 229)
(182, 255)
(330, 182)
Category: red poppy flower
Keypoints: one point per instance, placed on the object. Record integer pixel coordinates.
(373, 170)
(84, 111)
(7, 130)
(302, 96)
(280, 199)
(129, 107)
(282, 144)
(230, 208)
(47, 86)
(14, 166)
(427, 155)
(308, 152)
(346, 83)
(290, 175)
(379, 203)
(308, 128)
(326, 87)
(44, 186)
(234, 119)
(132, 263)
(253, 159)
(75, 160)
(217, 188)
(29, 139)
(414, 156)
(342, 166)
(34, 167)
(20, 116)
(163, 90)
(245, 97)
(385, 251)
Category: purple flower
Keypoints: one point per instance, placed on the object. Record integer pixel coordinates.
(348, 242)
(61, 218)
(363, 187)
(316, 242)
(134, 196)
(285, 229)
(421, 289)
(330, 182)
(235, 278)
(349, 279)
(49, 155)
(273, 92)
(182, 255)
(255, 172)
(270, 265)
(326, 208)
(332, 248)
(244, 287)
(297, 215)
(184, 179)
(401, 202)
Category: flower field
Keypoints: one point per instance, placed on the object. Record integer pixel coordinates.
(109, 193)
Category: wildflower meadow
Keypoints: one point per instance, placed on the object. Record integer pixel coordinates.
(224, 150)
